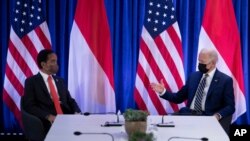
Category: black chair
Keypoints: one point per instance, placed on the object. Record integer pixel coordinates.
(225, 122)
(32, 126)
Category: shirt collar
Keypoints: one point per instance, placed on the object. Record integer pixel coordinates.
(44, 75)
(211, 74)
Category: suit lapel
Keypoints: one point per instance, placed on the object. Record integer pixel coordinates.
(214, 83)
(43, 85)
(195, 84)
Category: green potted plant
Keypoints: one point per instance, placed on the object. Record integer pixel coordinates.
(135, 121)
(140, 136)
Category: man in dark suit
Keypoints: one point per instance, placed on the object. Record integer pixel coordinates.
(37, 99)
(217, 95)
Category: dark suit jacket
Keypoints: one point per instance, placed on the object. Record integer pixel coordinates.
(220, 96)
(37, 100)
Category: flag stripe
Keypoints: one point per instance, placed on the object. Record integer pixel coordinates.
(35, 41)
(30, 46)
(18, 44)
(42, 37)
(144, 93)
(140, 101)
(153, 65)
(12, 105)
(169, 61)
(176, 40)
(169, 44)
(13, 94)
(45, 30)
(19, 60)
(14, 80)
(153, 49)
(176, 51)
(94, 35)
(151, 93)
(155, 68)
(17, 71)
(142, 88)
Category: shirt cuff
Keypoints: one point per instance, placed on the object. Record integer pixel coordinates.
(161, 94)
(219, 116)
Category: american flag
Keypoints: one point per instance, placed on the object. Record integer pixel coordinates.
(160, 57)
(29, 34)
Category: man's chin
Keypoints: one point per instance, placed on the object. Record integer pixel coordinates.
(53, 73)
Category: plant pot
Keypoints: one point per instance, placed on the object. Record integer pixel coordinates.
(135, 126)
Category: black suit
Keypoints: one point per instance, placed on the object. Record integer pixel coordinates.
(37, 100)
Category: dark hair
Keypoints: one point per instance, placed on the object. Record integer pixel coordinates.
(43, 56)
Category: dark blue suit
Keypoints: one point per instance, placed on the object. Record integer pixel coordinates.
(220, 96)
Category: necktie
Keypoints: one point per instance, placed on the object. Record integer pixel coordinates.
(199, 94)
(54, 96)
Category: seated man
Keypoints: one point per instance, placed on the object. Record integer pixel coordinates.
(208, 91)
(45, 94)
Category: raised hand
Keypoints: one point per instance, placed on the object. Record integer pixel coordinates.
(159, 88)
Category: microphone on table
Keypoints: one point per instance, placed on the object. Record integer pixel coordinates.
(107, 124)
(117, 114)
(165, 124)
(117, 123)
(78, 133)
(188, 138)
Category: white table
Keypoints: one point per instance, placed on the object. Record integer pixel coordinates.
(186, 127)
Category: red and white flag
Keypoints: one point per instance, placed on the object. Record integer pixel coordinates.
(91, 80)
(160, 57)
(219, 31)
(29, 34)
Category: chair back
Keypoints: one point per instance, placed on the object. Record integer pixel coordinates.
(32, 125)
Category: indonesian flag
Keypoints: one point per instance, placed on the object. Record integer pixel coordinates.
(219, 31)
(90, 70)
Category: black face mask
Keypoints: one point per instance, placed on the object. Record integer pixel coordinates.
(203, 68)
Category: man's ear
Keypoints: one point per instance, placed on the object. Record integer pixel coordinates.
(43, 64)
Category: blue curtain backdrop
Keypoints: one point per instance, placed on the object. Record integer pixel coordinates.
(125, 19)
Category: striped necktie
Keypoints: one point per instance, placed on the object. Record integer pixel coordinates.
(200, 94)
